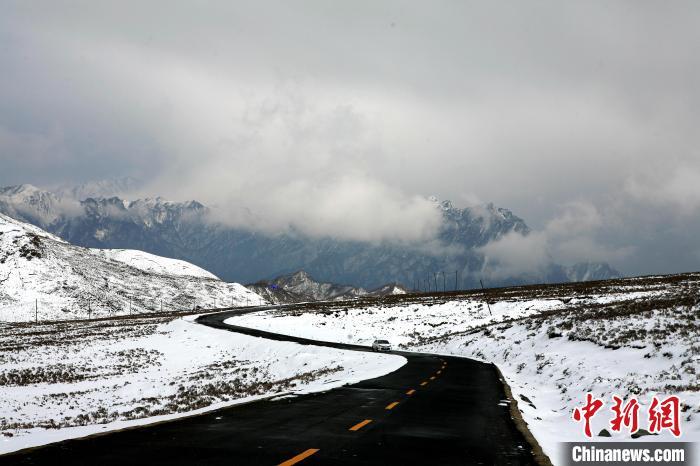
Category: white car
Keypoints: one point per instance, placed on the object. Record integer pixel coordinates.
(381, 345)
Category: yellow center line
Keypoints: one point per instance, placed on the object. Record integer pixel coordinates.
(392, 405)
(360, 425)
(439, 372)
(432, 378)
(299, 457)
(410, 392)
(423, 384)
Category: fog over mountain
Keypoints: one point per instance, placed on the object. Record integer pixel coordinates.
(339, 121)
(468, 245)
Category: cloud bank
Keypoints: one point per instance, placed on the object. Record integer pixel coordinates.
(339, 119)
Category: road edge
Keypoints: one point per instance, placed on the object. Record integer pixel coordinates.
(539, 455)
(186, 415)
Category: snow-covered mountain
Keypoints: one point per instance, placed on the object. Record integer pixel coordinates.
(187, 231)
(34, 205)
(300, 287)
(40, 270)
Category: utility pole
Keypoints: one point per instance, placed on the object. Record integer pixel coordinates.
(129, 305)
(444, 283)
(487, 301)
(435, 277)
(455, 280)
(36, 311)
(161, 305)
(89, 310)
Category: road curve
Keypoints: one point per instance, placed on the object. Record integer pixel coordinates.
(435, 410)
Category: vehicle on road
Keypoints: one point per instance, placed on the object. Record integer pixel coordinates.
(381, 345)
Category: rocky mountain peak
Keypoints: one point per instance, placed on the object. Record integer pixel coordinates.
(183, 230)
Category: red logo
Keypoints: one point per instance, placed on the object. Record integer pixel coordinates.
(665, 415)
(627, 415)
(592, 406)
(662, 414)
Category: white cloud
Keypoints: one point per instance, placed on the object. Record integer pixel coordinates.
(336, 120)
(678, 188)
(515, 255)
(567, 239)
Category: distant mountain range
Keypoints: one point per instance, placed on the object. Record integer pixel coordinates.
(185, 230)
(300, 287)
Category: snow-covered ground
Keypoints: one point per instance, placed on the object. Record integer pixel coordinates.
(42, 276)
(156, 264)
(71, 379)
(636, 337)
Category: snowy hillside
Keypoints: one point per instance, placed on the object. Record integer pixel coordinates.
(40, 270)
(390, 289)
(633, 337)
(156, 264)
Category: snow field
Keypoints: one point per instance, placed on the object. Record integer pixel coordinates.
(552, 351)
(69, 380)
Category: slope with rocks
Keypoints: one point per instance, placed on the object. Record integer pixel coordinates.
(299, 287)
(43, 277)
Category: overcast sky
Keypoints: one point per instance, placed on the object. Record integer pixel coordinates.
(581, 117)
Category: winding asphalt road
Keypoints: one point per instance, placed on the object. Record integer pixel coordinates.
(433, 411)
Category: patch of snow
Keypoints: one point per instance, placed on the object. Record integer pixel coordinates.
(156, 264)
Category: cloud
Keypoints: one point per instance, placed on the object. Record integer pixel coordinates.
(515, 255)
(569, 238)
(338, 120)
(351, 207)
(679, 189)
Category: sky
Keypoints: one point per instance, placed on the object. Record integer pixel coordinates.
(341, 118)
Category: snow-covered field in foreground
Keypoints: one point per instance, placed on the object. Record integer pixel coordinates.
(72, 379)
(638, 337)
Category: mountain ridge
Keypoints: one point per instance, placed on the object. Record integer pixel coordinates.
(189, 231)
(300, 287)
